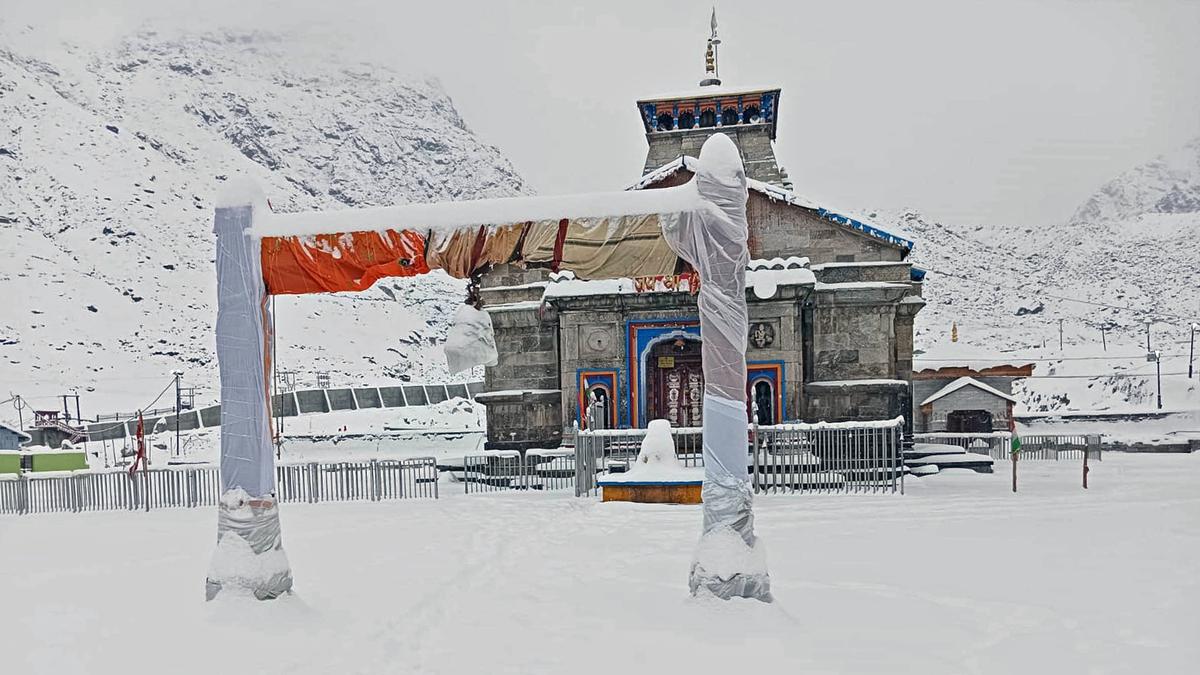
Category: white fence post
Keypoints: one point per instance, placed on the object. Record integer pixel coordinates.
(374, 471)
(23, 494)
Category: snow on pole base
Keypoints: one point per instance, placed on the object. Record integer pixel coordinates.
(731, 561)
(249, 558)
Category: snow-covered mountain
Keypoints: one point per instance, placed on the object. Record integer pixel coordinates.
(1130, 253)
(109, 162)
(1169, 184)
(110, 157)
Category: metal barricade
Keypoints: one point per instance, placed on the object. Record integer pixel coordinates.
(535, 469)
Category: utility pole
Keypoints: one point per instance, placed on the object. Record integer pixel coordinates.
(66, 410)
(1103, 340)
(1192, 348)
(19, 405)
(1158, 375)
(178, 407)
(1148, 322)
(1060, 339)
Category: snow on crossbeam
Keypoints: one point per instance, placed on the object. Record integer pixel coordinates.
(452, 216)
(816, 426)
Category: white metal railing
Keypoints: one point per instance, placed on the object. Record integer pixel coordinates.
(797, 457)
(192, 486)
(998, 444)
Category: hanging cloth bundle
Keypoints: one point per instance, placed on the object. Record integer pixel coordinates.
(471, 340)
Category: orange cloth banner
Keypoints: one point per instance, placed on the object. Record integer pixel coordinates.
(328, 263)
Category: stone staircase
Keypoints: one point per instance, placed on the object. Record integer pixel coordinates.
(923, 456)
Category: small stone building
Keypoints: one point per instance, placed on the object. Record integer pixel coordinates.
(831, 298)
(972, 398)
(966, 405)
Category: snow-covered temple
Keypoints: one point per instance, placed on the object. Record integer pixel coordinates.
(832, 299)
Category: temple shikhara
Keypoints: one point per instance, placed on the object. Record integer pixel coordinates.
(832, 301)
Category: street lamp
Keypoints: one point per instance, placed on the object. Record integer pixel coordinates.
(1156, 357)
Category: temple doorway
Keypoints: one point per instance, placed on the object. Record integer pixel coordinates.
(676, 382)
(969, 422)
(763, 396)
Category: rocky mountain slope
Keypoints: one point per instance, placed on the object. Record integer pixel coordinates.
(109, 162)
(1130, 253)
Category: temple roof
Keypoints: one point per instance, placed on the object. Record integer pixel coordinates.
(685, 163)
(966, 382)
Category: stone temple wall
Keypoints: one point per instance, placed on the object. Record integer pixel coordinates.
(753, 141)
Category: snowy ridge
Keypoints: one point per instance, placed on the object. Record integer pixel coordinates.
(1129, 253)
(1167, 184)
(111, 162)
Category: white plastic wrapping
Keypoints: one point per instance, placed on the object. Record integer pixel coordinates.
(249, 558)
(713, 241)
(471, 341)
(248, 520)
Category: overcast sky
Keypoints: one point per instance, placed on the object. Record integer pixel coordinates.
(970, 110)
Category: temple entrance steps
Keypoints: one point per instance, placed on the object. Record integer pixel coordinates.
(944, 456)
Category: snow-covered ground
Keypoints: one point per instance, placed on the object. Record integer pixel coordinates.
(958, 576)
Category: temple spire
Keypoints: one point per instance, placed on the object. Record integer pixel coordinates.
(712, 71)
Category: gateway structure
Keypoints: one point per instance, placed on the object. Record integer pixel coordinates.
(260, 254)
(832, 300)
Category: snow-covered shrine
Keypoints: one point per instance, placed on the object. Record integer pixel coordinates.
(832, 301)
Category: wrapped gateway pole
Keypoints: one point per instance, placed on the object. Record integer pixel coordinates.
(260, 254)
(730, 562)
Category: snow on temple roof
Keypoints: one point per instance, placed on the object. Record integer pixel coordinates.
(947, 354)
(861, 285)
(966, 382)
(861, 263)
(777, 193)
(762, 276)
(450, 216)
(790, 262)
